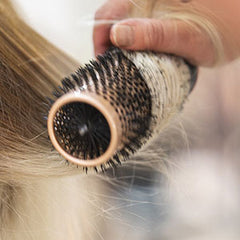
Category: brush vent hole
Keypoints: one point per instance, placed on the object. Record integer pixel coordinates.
(82, 130)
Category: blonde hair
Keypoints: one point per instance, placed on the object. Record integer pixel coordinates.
(30, 68)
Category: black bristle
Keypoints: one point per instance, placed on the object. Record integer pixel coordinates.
(130, 148)
(56, 93)
(76, 80)
(62, 89)
(67, 84)
(82, 74)
(93, 76)
(124, 154)
(100, 72)
(116, 158)
(103, 168)
(103, 61)
(50, 100)
(112, 164)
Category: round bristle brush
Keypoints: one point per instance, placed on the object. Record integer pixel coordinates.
(109, 108)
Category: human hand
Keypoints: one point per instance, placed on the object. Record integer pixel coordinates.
(168, 35)
(110, 11)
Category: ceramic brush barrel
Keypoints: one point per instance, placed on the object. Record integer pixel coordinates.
(109, 108)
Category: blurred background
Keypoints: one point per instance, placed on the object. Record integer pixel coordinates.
(66, 23)
(198, 198)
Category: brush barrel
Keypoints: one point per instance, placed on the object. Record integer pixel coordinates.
(109, 108)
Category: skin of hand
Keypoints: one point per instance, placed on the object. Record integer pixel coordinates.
(169, 36)
(111, 10)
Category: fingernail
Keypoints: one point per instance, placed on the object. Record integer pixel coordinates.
(123, 35)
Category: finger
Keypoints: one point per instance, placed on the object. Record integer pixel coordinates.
(101, 38)
(111, 10)
(169, 36)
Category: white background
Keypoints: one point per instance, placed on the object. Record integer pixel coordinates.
(66, 23)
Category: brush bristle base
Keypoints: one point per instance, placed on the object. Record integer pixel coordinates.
(84, 128)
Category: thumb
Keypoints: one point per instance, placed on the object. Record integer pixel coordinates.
(169, 36)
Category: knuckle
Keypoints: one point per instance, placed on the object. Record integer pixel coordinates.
(154, 35)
